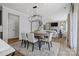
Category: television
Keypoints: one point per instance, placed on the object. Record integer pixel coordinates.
(55, 24)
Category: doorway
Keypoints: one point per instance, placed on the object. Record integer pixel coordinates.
(13, 26)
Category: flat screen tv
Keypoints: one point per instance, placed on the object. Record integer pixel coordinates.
(55, 24)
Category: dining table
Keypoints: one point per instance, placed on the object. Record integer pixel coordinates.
(40, 36)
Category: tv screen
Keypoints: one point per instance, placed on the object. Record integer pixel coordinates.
(54, 24)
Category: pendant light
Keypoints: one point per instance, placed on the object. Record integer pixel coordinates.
(35, 16)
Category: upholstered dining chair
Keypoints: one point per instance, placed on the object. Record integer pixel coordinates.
(24, 38)
(48, 40)
(32, 40)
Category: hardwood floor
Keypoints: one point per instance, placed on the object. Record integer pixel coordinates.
(11, 41)
(61, 41)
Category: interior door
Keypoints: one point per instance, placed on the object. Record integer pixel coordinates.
(13, 26)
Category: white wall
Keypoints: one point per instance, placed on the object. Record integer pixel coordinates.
(74, 24)
(5, 21)
(73, 34)
(78, 33)
(62, 16)
(24, 24)
(0, 28)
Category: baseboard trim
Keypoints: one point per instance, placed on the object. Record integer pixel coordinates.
(13, 38)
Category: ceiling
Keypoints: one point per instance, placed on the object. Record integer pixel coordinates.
(43, 8)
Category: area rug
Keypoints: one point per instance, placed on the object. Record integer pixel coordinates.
(43, 52)
(55, 50)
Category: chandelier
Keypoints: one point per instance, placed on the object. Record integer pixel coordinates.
(35, 16)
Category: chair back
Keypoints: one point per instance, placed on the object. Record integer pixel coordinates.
(31, 37)
(50, 36)
(24, 36)
(55, 34)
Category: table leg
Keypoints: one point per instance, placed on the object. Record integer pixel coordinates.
(39, 44)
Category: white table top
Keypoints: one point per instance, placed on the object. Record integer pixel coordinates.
(5, 49)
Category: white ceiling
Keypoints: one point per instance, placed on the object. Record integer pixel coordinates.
(43, 8)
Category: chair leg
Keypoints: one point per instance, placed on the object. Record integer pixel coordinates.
(21, 42)
(39, 43)
(32, 46)
(49, 46)
(27, 44)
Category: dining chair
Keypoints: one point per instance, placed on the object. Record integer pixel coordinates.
(32, 40)
(55, 34)
(48, 40)
(24, 38)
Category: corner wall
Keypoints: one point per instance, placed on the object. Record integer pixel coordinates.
(73, 26)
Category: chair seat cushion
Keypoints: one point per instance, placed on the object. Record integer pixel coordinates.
(33, 41)
(45, 39)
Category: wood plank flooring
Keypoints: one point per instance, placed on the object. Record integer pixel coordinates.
(11, 41)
